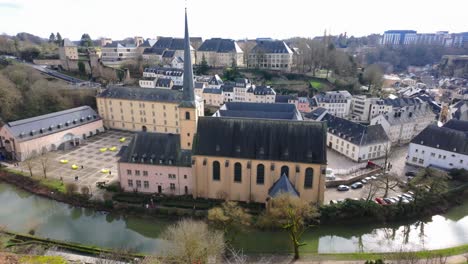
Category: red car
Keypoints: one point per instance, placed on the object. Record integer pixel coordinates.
(380, 201)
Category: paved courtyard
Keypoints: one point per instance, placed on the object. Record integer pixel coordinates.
(87, 155)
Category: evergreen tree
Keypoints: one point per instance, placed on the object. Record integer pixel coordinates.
(203, 68)
(58, 39)
(52, 38)
(86, 40)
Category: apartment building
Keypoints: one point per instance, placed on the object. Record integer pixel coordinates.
(175, 74)
(221, 53)
(364, 108)
(443, 147)
(68, 50)
(337, 103)
(114, 54)
(271, 55)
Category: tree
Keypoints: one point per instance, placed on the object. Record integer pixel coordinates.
(373, 76)
(292, 214)
(30, 165)
(387, 182)
(370, 190)
(81, 68)
(435, 179)
(85, 191)
(86, 40)
(29, 54)
(44, 161)
(52, 38)
(58, 38)
(203, 68)
(191, 241)
(230, 218)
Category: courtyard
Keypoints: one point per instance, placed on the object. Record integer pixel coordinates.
(95, 159)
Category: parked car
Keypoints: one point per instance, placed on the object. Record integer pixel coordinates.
(356, 185)
(394, 200)
(380, 201)
(410, 193)
(410, 173)
(368, 178)
(333, 201)
(373, 178)
(343, 188)
(409, 197)
(404, 201)
(364, 181)
(329, 175)
(389, 200)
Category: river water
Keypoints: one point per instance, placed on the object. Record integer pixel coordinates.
(21, 212)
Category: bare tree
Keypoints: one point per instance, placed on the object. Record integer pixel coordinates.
(230, 217)
(371, 190)
(30, 165)
(373, 76)
(292, 214)
(191, 241)
(44, 161)
(387, 182)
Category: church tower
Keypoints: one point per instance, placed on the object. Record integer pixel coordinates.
(189, 108)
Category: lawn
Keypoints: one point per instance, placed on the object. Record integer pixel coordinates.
(42, 260)
(316, 85)
(52, 184)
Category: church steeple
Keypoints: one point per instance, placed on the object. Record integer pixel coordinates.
(188, 90)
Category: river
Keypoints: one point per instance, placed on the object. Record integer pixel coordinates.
(21, 212)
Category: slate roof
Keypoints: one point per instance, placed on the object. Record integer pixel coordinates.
(271, 46)
(219, 45)
(282, 185)
(153, 50)
(212, 91)
(444, 138)
(333, 97)
(280, 98)
(401, 102)
(457, 125)
(142, 94)
(34, 127)
(316, 113)
(355, 133)
(157, 149)
(164, 82)
(168, 53)
(67, 43)
(170, 43)
(279, 140)
(165, 71)
(216, 80)
(261, 90)
(227, 88)
(260, 110)
(403, 117)
(199, 85)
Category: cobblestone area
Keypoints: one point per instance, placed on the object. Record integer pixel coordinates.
(87, 155)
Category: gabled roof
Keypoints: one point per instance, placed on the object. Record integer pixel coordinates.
(355, 133)
(262, 139)
(282, 185)
(168, 53)
(153, 50)
(220, 46)
(170, 43)
(156, 149)
(262, 90)
(39, 126)
(216, 80)
(444, 138)
(333, 97)
(212, 91)
(227, 88)
(459, 125)
(142, 94)
(316, 114)
(280, 98)
(164, 82)
(271, 46)
(165, 71)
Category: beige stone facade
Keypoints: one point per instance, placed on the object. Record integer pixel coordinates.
(248, 189)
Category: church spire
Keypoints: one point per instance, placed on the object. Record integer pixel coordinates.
(188, 90)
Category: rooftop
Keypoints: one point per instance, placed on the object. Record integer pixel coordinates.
(271, 46)
(445, 138)
(276, 140)
(259, 110)
(156, 149)
(142, 94)
(220, 45)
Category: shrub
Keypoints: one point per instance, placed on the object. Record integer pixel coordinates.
(85, 191)
(71, 188)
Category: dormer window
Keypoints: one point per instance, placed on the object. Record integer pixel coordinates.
(422, 142)
(88, 117)
(218, 148)
(438, 146)
(59, 125)
(238, 149)
(32, 132)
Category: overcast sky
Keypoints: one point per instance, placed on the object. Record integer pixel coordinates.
(229, 19)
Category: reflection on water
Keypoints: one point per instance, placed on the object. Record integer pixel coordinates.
(22, 212)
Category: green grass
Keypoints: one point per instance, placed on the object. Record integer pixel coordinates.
(316, 85)
(52, 184)
(42, 260)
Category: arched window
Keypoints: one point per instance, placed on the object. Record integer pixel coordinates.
(260, 174)
(216, 171)
(187, 115)
(237, 172)
(284, 170)
(309, 178)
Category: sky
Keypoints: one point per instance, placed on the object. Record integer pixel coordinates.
(237, 19)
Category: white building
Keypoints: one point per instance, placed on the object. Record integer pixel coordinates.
(176, 75)
(444, 147)
(337, 103)
(270, 54)
(355, 141)
(364, 108)
(114, 54)
(403, 125)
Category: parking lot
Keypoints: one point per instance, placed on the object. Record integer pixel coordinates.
(88, 157)
(398, 167)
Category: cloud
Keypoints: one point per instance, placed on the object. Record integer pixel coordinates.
(9, 5)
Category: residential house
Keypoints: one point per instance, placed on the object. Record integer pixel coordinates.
(337, 103)
(155, 163)
(271, 55)
(441, 147)
(254, 160)
(403, 125)
(115, 53)
(68, 50)
(220, 52)
(177, 75)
